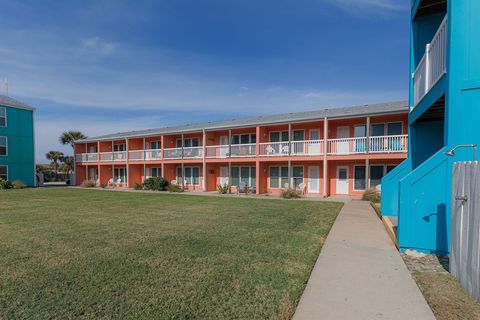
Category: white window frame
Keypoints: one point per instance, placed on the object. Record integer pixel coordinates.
(183, 178)
(249, 174)
(6, 147)
(191, 138)
(6, 167)
(385, 126)
(120, 144)
(377, 165)
(280, 177)
(123, 177)
(5, 109)
(240, 138)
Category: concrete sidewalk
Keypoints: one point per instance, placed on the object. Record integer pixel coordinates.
(360, 274)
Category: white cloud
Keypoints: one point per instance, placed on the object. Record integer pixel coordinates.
(98, 46)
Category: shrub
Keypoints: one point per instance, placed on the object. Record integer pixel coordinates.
(371, 195)
(103, 185)
(18, 184)
(223, 189)
(174, 188)
(88, 184)
(156, 183)
(138, 186)
(5, 184)
(290, 194)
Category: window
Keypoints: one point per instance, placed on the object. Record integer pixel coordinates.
(3, 146)
(376, 175)
(394, 128)
(119, 147)
(377, 130)
(243, 177)
(4, 172)
(192, 175)
(155, 145)
(188, 142)
(120, 174)
(360, 131)
(3, 117)
(359, 178)
(297, 176)
(155, 172)
(279, 136)
(279, 176)
(244, 138)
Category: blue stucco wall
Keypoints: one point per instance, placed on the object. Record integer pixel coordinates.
(21, 156)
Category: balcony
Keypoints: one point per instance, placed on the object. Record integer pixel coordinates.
(86, 157)
(296, 148)
(233, 151)
(378, 144)
(183, 153)
(432, 66)
(145, 155)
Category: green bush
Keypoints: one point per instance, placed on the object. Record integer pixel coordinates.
(88, 184)
(5, 184)
(371, 195)
(174, 188)
(156, 183)
(290, 194)
(18, 184)
(138, 186)
(223, 189)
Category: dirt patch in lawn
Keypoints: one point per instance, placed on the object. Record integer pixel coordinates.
(444, 294)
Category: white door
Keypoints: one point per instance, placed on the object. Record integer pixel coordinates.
(224, 146)
(223, 176)
(92, 175)
(314, 143)
(313, 179)
(342, 145)
(342, 180)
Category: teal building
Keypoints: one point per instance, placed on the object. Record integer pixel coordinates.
(443, 121)
(17, 141)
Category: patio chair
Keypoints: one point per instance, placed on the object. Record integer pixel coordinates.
(302, 188)
(285, 150)
(174, 182)
(119, 183)
(286, 185)
(110, 183)
(270, 150)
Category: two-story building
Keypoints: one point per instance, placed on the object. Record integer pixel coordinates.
(331, 152)
(444, 115)
(17, 141)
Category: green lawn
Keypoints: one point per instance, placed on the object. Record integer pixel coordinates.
(72, 253)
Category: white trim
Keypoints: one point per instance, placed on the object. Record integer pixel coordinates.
(183, 173)
(359, 165)
(6, 166)
(6, 117)
(280, 172)
(183, 143)
(318, 178)
(348, 180)
(6, 146)
(240, 174)
(385, 127)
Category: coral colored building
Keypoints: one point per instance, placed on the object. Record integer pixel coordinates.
(330, 152)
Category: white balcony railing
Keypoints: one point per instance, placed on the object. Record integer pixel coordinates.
(274, 149)
(433, 64)
(307, 148)
(388, 144)
(220, 151)
(377, 144)
(148, 155)
(87, 157)
(243, 150)
(183, 153)
(347, 146)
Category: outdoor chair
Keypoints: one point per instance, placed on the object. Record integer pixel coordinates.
(110, 183)
(302, 188)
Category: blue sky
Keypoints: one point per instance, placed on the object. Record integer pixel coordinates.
(104, 66)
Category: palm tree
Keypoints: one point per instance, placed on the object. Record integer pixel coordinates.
(69, 137)
(67, 164)
(54, 157)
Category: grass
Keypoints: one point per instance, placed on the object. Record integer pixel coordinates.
(444, 294)
(83, 254)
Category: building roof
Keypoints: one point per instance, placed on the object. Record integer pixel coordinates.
(10, 102)
(333, 113)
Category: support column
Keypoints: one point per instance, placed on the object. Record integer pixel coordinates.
(290, 178)
(127, 176)
(86, 173)
(204, 167)
(144, 160)
(162, 149)
(183, 173)
(98, 165)
(257, 179)
(367, 161)
(230, 177)
(229, 143)
(325, 151)
(289, 139)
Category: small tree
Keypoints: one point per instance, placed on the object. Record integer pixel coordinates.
(54, 157)
(67, 165)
